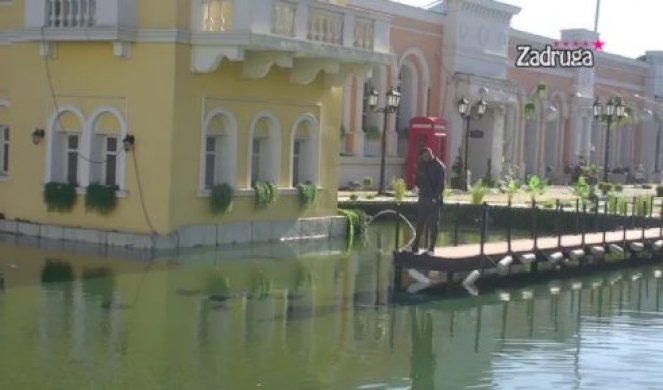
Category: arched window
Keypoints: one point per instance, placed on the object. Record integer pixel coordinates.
(305, 151)
(64, 146)
(264, 150)
(219, 149)
(106, 157)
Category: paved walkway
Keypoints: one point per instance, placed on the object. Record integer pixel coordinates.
(544, 243)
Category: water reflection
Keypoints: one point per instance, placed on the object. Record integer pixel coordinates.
(318, 322)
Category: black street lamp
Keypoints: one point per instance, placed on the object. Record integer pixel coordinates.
(468, 112)
(393, 102)
(614, 109)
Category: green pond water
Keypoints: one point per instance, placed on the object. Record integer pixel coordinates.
(310, 316)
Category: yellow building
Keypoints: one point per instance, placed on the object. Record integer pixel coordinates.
(210, 92)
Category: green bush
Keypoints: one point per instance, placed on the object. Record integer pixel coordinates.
(619, 187)
(622, 206)
(60, 197)
(510, 187)
(100, 198)
(372, 132)
(549, 204)
(535, 187)
(266, 194)
(646, 187)
(642, 206)
(221, 199)
(478, 191)
(367, 182)
(399, 187)
(307, 194)
(612, 203)
(605, 188)
(659, 191)
(354, 196)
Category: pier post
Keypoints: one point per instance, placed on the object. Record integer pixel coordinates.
(484, 226)
(558, 211)
(577, 215)
(398, 278)
(660, 234)
(508, 227)
(605, 223)
(633, 211)
(398, 234)
(456, 224)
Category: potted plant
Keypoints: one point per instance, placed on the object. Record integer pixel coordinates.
(221, 199)
(307, 194)
(266, 194)
(60, 197)
(100, 198)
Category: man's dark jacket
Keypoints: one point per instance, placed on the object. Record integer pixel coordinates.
(430, 179)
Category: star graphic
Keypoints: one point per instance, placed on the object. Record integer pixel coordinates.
(576, 44)
(598, 44)
(566, 44)
(556, 44)
(585, 44)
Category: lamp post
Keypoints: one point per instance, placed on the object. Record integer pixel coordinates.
(468, 112)
(393, 102)
(614, 109)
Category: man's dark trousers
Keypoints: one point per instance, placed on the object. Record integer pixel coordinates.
(428, 216)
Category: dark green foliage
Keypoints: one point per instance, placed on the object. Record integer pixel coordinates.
(266, 194)
(659, 191)
(221, 199)
(60, 197)
(619, 187)
(100, 198)
(646, 187)
(372, 132)
(307, 194)
(606, 187)
(217, 284)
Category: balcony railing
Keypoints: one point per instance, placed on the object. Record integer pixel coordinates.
(72, 15)
(303, 20)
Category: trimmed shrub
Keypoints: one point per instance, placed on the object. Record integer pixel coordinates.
(619, 187)
(367, 182)
(659, 191)
(478, 192)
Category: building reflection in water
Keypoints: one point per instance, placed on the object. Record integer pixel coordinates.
(422, 358)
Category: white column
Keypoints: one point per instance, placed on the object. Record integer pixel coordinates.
(499, 132)
(358, 140)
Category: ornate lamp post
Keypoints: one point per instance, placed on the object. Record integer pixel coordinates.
(614, 109)
(468, 112)
(393, 102)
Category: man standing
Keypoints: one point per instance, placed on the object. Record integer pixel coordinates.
(430, 181)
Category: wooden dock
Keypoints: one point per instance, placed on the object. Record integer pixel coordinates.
(466, 258)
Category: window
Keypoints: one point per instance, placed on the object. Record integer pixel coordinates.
(296, 160)
(210, 161)
(4, 150)
(72, 158)
(255, 161)
(110, 161)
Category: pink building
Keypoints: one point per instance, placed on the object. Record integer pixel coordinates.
(459, 48)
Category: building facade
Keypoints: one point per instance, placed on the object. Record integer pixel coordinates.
(457, 48)
(210, 92)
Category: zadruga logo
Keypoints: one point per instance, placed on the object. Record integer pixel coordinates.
(549, 57)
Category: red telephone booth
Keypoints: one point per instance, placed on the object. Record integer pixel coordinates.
(425, 131)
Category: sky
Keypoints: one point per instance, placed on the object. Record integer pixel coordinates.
(629, 28)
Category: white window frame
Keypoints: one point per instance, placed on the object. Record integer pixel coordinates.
(225, 151)
(93, 134)
(270, 157)
(106, 154)
(4, 150)
(67, 151)
(309, 154)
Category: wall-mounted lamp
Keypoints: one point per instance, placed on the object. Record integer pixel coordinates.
(128, 142)
(37, 136)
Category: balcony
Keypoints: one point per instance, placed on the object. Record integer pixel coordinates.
(74, 20)
(316, 34)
